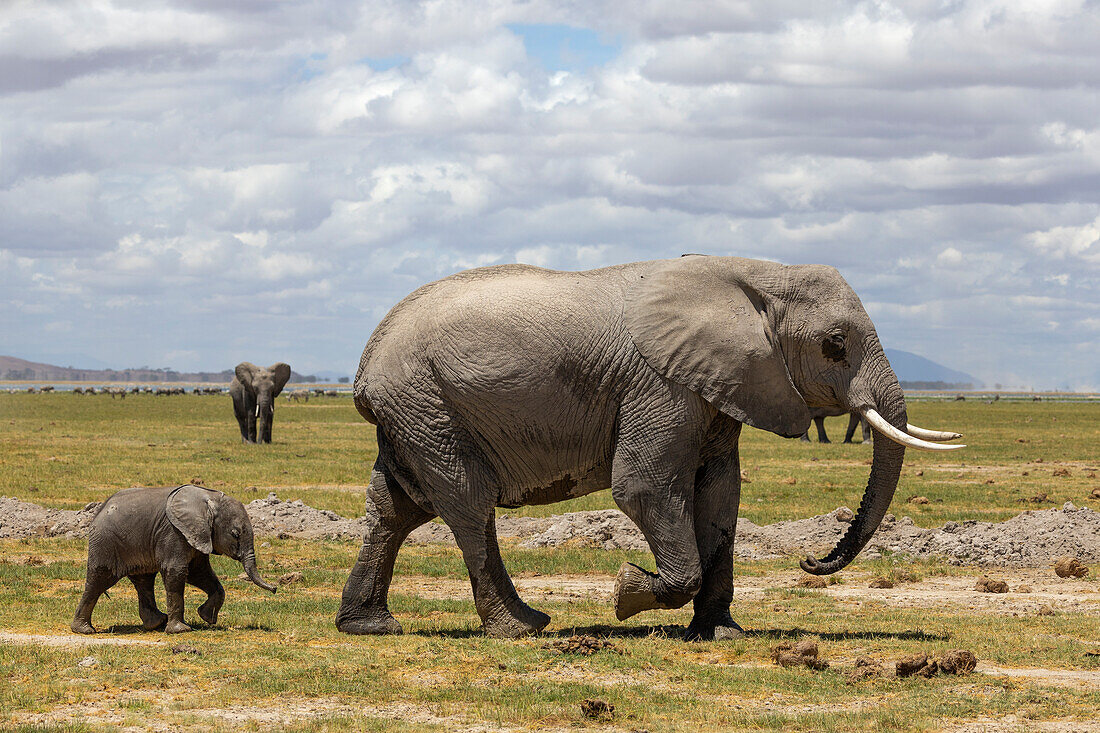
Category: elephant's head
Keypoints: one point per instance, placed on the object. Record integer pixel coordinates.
(765, 342)
(265, 385)
(215, 523)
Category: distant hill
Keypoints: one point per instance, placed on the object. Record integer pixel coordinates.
(14, 368)
(917, 372)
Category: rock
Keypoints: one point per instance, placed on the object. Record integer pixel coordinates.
(802, 654)
(88, 662)
(881, 583)
(844, 514)
(291, 577)
(988, 585)
(595, 709)
(1068, 566)
(957, 661)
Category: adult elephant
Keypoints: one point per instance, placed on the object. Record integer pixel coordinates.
(514, 385)
(818, 414)
(254, 390)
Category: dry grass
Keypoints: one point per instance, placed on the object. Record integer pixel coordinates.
(278, 662)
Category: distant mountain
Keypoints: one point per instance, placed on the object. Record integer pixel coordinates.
(913, 369)
(15, 368)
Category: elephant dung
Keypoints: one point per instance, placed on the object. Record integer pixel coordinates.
(881, 583)
(595, 709)
(917, 664)
(580, 644)
(1070, 567)
(291, 577)
(812, 581)
(958, 661)
(988, 585)
(802, 654)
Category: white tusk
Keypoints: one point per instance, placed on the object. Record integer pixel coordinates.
(934, 435)
(257, 410)
(878, 422)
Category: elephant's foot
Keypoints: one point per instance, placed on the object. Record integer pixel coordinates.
(721, 629)
(376, 625)
(515, 623)
(80, 626)
(176, 627)
(634, 591)
(825, 440)
(208, 611)
(153, 620)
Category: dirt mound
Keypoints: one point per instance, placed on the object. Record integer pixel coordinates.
(273, 516)
(1032, 539)
(23, 519)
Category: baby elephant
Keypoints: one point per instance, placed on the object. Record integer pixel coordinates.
(139, 532)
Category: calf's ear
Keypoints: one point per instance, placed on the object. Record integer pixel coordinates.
(191, 509)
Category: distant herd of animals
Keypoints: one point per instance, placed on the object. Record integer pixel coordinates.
(512, 385)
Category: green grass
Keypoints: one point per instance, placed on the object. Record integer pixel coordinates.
(268, 651)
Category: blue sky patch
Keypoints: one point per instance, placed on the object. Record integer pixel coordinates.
(565, 48)
(383, 63)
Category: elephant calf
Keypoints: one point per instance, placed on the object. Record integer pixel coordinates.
(140, 532)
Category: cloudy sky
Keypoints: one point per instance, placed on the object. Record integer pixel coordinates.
(190, 183)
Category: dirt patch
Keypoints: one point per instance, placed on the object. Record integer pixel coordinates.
(1031, 539)
(71, 640)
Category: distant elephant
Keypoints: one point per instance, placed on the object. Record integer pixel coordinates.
(139, 532)
(514, 385)
(254, 390)
(854, 420)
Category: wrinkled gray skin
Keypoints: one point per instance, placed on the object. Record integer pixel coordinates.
(254, 390)
(140, 532)
(514, 385)
(854, 420)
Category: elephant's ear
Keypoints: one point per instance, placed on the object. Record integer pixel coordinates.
(191, 510)
(244, 372)
(699, 322)
(282, 376)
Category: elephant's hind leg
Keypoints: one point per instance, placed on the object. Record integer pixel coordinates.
(152, 618)
(503, 613)
(96, 582)
(203, 577)
(391, 516)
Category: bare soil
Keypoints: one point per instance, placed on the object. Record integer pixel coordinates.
(1031, 539)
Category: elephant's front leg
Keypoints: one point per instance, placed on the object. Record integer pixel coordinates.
(203, 577)
(654, 487)
(717, 496)
(175, 578)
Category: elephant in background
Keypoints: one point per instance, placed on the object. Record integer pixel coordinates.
(139, 532)
(254, 390)
(514, 385)
(854, 419)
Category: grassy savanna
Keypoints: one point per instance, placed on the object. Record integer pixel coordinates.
(276, 661)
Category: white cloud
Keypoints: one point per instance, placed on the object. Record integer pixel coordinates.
(222, 175)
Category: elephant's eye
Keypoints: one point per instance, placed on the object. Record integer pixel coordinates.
(236, 533)
(832, 348)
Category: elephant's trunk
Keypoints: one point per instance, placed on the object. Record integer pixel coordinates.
(889, 402)
(265, 415)
(249, 563)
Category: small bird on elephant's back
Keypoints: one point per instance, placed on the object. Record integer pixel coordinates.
(139, 532)
(254, 390)
(514, 385)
